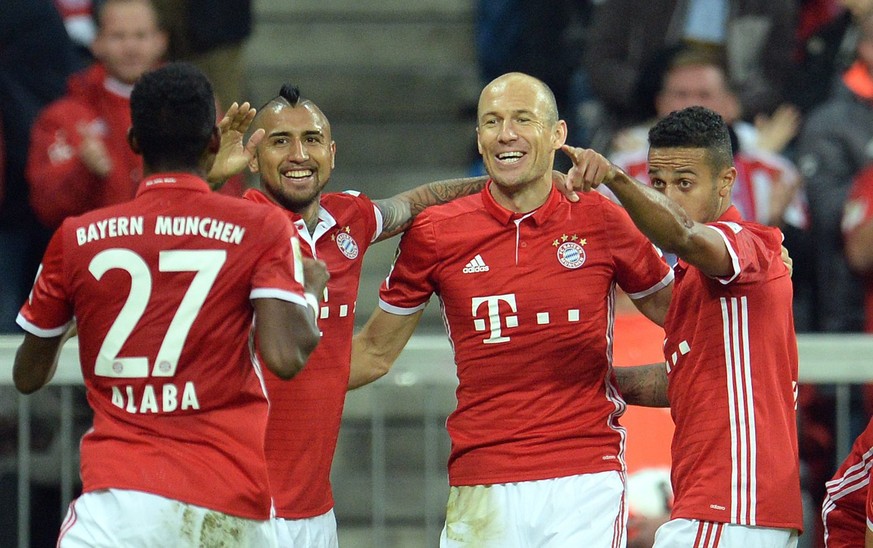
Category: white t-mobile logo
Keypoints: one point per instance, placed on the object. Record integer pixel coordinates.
(494, 323)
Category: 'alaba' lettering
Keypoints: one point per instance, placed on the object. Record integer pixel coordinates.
(200, 226)
(112, 227)
(164, 399)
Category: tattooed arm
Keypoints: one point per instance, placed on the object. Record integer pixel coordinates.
(644, 385)
(399, 211)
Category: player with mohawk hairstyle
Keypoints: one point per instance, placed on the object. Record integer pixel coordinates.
(292, 151)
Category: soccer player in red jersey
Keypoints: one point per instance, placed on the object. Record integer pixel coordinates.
(527, 281)
(843, 511)
(293, 153)
(171, 294)
(731, 354)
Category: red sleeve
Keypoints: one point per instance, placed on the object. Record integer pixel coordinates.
(59, 182)
(754, 250)
(410, 283)
(640, 268)
(278, 273)
(48, 310)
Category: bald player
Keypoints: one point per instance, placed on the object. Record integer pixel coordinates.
(527, 283)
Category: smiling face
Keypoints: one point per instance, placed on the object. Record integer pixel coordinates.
(296, 157)
(687, 176)
(518, 132)
(129, 41)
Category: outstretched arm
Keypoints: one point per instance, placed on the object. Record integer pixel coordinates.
(644, 385)
(399, 211)
(377, 346)
(663, 221)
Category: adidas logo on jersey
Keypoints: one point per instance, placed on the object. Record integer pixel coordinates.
(476, 265)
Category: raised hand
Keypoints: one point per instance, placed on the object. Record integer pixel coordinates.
(590, 169)
(92, 151)
(233, 155)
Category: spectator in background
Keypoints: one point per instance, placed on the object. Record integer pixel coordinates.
(211, 34)
(36, 58)
(833, 146)
(756, 38)
(79, 159)
(825, 55)
(767, 183)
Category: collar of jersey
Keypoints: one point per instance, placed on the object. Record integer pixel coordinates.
(326, 221)
(505, 216)
(173, 180)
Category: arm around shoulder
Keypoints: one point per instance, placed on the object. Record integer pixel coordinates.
(399, 210)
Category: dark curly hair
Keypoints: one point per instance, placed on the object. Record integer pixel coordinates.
(173, 115)
(695, 127)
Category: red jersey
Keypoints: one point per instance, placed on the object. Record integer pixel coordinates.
(305, 412)
(843, 510)
(858, 211)
(528, 302)
(160, 290)
(732, 367)
(60, 184)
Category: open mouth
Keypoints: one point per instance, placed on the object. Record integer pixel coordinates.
(297, 173)
(510, 157)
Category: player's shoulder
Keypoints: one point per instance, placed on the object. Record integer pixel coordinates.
(452, 211)
(347, 199)
(348, 206)
(771, 236)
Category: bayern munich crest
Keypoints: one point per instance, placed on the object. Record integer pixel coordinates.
(571, 255)
(347, 245)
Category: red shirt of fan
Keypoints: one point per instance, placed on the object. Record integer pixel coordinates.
(732, 366)
(305, 412)
(528, 301)
(160, 288)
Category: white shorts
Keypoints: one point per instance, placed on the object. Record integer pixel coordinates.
(116, 518)
(586, 510)
(688, 533)
(316, 532)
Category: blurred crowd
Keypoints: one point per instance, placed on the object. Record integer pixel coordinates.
(793, 78)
